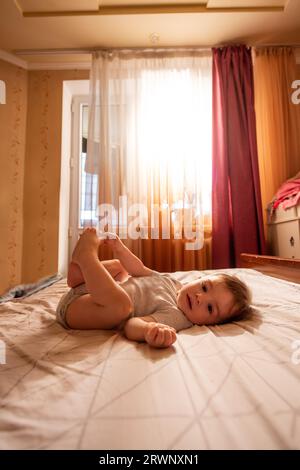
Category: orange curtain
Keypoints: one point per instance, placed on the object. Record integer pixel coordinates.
(277, 119)
(171, 255)
(168, 255)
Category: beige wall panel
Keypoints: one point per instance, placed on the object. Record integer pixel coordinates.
(42, 172)
(12, 157)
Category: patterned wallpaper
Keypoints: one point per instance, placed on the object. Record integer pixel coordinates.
(12, 157)
(42, 172)
(30, 153)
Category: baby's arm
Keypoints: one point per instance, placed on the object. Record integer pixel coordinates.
(133, 265)
(146, 329)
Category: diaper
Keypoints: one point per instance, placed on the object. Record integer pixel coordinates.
(65, 301)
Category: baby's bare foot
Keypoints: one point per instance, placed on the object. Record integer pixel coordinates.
(115, 243)
(87, 244)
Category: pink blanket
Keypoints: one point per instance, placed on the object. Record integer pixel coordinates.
(288, 194)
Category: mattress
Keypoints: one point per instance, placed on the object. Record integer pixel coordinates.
(231, 386)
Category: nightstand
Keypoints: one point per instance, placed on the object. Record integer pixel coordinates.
(284, 232)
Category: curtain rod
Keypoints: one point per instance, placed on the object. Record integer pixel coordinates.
(148, 48)
(99, 49)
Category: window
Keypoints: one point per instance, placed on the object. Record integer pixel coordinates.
(150, 133)
(84, 186)
(88, 184)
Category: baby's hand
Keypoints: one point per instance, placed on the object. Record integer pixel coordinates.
(159, 335)
(112, 240)
(107, 235)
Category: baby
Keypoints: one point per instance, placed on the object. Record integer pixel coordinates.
(148, 306)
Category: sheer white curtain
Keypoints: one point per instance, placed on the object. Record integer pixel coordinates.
(149, 141)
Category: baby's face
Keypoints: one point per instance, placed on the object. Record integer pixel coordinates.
(206, 301)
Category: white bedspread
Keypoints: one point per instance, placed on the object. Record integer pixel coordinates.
(235, 386)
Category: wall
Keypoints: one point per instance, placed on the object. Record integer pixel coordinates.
(42, 173)
(12, 158)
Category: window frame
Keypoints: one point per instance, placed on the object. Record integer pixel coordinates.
(75, 230)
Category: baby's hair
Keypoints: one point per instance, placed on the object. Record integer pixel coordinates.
(241, 294)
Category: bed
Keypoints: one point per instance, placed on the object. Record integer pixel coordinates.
(232, 386)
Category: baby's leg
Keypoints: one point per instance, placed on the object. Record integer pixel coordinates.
(106, 303)
(113, 266)
(132, 264)
(115, 269)
(75, 276)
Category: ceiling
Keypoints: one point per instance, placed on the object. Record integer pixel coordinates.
(61, 32)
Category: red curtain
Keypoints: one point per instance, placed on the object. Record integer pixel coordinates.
(237, 224)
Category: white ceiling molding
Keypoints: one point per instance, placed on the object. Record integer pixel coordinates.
(59, 65)
(13, 59)
(36, 8)
(244, 3)
(60, 5)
